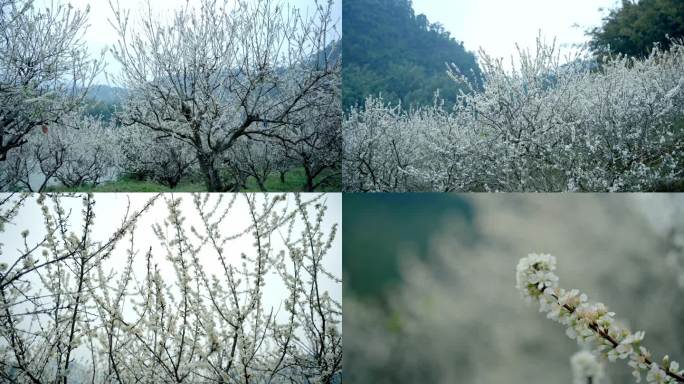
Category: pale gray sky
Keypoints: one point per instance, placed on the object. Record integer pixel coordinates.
(497, 25)
(100, 33)
(109, 212)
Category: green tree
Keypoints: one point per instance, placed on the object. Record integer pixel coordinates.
(389, 50)
(633, 28)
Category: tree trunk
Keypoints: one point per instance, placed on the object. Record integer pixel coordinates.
(212, 179)
(309, 187)
(172, 182)
(261, 184)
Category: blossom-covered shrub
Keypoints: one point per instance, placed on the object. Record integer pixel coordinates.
(147, 154)
(590, 323)
(225, 288)
(79, 150)
(614, 125)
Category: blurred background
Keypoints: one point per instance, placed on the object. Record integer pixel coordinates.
(429, 282)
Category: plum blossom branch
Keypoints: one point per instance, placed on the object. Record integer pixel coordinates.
(227, 301)
(589, 323)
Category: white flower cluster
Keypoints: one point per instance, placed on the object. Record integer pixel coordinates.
(590, 323)
(534, 274)
(586, 368)
(542, 126)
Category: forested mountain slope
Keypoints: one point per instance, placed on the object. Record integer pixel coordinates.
(389, 50)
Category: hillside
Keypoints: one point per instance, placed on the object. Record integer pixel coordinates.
(388, 49)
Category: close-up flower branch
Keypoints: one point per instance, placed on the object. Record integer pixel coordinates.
(590, 323)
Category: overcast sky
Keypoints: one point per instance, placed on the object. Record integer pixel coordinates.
(109, 212)
(497, 25)
(100, 33)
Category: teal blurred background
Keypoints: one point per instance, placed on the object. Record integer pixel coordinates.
(429, 282)
(381, 229)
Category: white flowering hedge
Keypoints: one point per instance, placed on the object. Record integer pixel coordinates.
(164, 313)
(590, 324)
(617, 125)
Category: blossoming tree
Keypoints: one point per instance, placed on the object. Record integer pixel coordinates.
(316, 143)
(221, 73)
(145, 154)
(199, 301)
(78, 150)
(45, 70)
(543, 125)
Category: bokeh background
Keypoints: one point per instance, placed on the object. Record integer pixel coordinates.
(429, 282)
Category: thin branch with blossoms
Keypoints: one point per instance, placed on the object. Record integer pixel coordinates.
(590, 323)
(163, 313)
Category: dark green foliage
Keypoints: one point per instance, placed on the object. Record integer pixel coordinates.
(100, 109)
(388, 50)
(103, 100)
(633, 28)
(381, 228)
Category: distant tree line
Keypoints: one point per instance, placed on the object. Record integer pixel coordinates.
(633, 28)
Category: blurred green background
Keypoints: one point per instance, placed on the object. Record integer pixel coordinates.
(384, 228)
(429, 282)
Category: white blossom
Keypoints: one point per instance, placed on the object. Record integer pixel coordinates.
(586, 368)
(590, 323)
(540, 126)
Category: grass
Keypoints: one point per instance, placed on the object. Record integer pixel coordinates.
(294, 182)
(130, 185)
